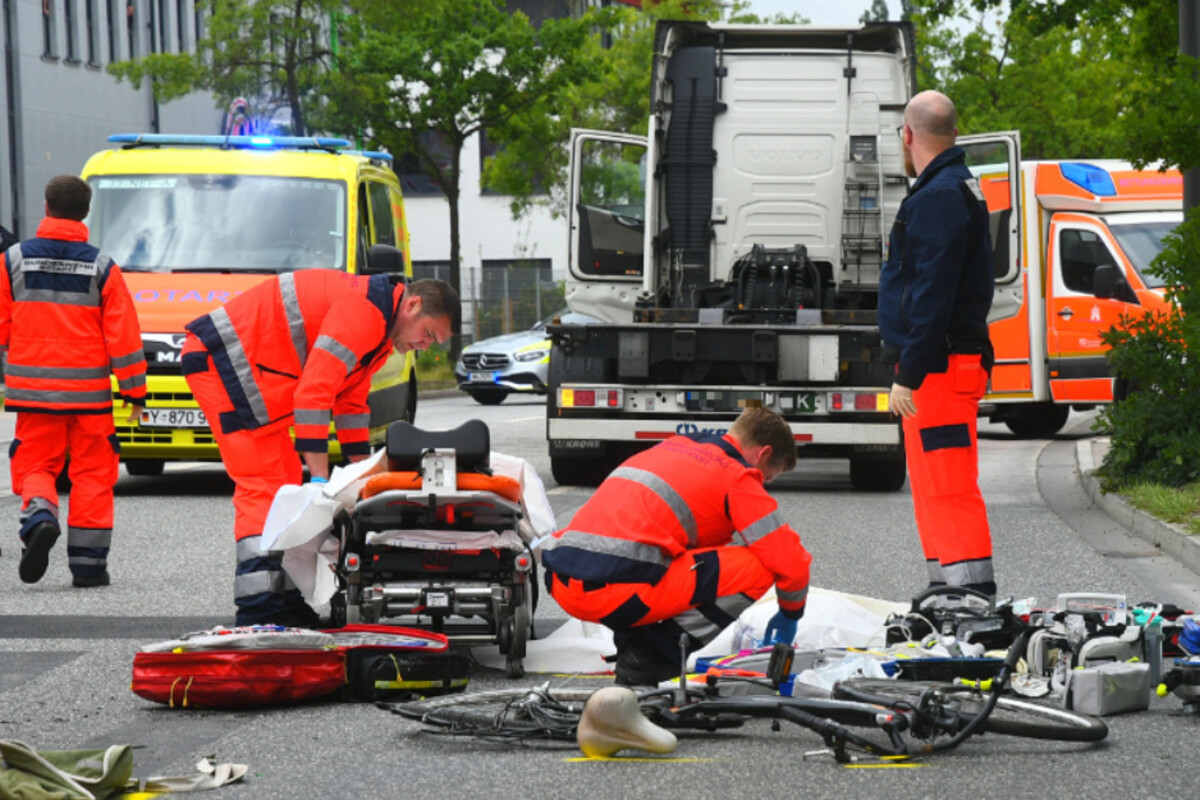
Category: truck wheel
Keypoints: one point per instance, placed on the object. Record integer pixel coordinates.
(1038, 420)
(488, 397)
(877, 476)
(145, 467)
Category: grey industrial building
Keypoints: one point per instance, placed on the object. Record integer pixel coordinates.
(60, 102)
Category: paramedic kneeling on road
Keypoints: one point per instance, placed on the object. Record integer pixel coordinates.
(650, 555)
(298, 349)
(934, 295)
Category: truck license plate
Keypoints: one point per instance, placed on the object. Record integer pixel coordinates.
(173, 418)
(437, 599)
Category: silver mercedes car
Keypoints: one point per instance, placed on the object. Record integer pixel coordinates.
(490, 369)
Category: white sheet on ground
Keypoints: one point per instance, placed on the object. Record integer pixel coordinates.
(832, 619)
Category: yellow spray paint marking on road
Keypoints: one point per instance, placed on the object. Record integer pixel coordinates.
(640, 760)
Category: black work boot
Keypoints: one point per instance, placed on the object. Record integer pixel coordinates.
(88, 581)
(36, 555)
(640, 664)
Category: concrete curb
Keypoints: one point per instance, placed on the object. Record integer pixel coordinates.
(1172, 540)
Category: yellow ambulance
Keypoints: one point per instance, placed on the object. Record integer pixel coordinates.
(195, 220)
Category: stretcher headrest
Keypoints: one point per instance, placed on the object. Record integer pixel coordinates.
(471, 443)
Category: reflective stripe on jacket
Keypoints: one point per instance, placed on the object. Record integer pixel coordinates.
(66, 322)
(685, 493)
(302, 345)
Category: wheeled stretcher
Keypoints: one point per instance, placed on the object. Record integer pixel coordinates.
(436, 542)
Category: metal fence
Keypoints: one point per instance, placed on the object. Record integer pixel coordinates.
(503, 297)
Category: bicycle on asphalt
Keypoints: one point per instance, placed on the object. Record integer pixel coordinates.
(876, 716)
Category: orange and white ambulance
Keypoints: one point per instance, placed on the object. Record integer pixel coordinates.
(195, 220)
(1072, 243)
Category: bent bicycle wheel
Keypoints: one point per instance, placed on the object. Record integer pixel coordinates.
(520, 713)
(1012, 716)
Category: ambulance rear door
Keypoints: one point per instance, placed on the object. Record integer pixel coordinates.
(995, 161)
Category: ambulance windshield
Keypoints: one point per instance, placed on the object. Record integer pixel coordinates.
(219, 223)
(1142, 240)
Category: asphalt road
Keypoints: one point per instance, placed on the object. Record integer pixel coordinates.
(66, 654)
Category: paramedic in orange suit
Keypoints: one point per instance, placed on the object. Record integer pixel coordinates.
(66, 322)
(655, 552)
(935, 292)
(299, 350)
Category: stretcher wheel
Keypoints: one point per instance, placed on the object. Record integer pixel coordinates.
(337, 611)
(518, 627)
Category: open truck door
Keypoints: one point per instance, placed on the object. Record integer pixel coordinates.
(607, 222)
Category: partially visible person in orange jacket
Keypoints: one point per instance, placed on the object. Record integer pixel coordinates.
(66, 322)
(299, 350)
(652, 555)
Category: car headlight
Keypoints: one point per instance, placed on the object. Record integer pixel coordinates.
(531, 355)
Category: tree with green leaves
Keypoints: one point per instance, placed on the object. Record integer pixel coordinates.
(878, 12)
(1102, 78)
(267, 51)
(613, 94)
(424, 83)
(1008, 71)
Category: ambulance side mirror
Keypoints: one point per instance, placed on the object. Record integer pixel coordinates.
(1106, 281)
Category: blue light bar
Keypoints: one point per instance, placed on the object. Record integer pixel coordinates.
(201, 140)
(374, 154)
(1095, 179)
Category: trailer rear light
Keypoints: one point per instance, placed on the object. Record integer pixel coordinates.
(858, 401)
(589, 398)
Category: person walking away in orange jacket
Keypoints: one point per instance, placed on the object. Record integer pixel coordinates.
(66, 322)
(680, 539)
(299, 350)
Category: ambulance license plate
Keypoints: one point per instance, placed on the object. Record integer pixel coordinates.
(482, 377)
(173, 418)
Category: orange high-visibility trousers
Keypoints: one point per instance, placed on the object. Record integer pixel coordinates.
(943, 471)
(259, 461)
(41, 444)
(702, 592)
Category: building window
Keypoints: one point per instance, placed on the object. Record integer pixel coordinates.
(132, 20)
(198, 13)
(114, 32)
(69, 30)
(93, 33)
(487, 150)
(153, 25)
(49, 30)
(415, 180)
(181, 24)
(164, 26)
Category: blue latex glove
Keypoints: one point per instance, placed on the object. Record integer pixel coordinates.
(780, 629)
